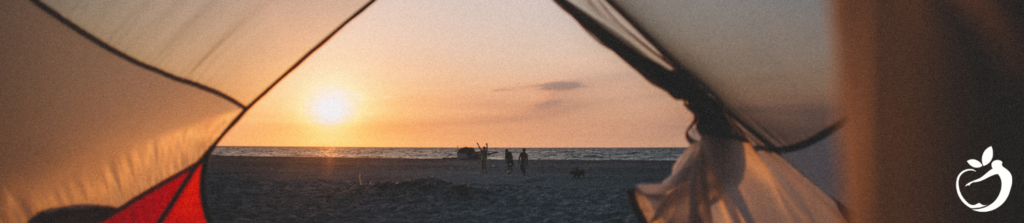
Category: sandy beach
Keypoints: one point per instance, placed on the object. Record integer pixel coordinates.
(272, 189)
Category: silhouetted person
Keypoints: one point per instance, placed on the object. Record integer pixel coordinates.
(509, 162)
(523, 159)
(483, 157)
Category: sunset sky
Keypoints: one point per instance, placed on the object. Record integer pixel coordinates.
(431, 74)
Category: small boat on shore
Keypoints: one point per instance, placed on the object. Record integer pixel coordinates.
(470, 153)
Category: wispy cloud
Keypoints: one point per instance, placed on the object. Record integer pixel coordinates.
(549, 86)
(560, 85)
(548, 104)
(550, 95)
(556, 99)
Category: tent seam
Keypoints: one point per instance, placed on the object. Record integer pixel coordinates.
(152, 189)
(209, 151)
(184, 183)
(53, 13)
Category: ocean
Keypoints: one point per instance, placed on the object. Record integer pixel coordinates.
(651, 154)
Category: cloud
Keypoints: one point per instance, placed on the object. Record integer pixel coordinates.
(554, 98)
(549, 86)
(560, 85)
(548, 104)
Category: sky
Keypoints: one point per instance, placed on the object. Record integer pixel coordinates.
(452, 74)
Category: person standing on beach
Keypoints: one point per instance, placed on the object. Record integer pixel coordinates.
(483, 157)
(509, 162)
(523, 159)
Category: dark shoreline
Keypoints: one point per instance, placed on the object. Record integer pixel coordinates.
(389, 169)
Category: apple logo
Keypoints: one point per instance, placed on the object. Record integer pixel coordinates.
(997, 170)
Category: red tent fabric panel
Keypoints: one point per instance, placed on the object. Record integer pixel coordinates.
(151, 205)
(189, 207)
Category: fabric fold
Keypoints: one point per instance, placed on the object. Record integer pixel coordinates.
(726, 180)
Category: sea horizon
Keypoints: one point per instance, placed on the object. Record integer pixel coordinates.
(535, 153)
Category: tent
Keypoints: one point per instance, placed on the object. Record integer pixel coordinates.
(757, 77)
(923, 86)
(115, 104)
(131, 131)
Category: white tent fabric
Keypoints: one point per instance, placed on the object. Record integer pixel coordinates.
(611, 19)
(87, 123)
(212, 42)
(769, 62)
(726, 180)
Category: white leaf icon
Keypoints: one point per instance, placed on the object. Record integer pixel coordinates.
(986, 157)
(974, 163)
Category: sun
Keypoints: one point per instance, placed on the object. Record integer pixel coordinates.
(333, 107)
